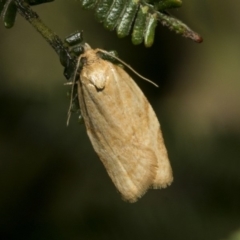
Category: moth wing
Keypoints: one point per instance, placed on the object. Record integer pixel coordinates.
(122, 127)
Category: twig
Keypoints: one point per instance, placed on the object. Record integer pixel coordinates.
(53, 39)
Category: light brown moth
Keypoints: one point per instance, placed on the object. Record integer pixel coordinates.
(122, 127)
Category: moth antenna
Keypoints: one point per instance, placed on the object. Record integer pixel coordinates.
(129, 67)
(73, 83)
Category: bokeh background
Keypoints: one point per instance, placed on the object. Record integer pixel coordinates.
(52, 184)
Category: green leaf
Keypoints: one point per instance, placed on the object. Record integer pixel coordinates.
(140, 25)
(10, 15)
(150, 30)
(125, 23)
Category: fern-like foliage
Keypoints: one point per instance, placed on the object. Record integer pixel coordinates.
(136, 17)
(139, 17)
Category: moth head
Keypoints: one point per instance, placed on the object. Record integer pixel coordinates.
(73, 47)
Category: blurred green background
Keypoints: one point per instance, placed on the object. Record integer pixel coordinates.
(52, 184)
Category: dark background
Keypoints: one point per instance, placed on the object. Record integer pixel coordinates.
(52, 184)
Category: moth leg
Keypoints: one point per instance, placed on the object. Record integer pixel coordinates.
(74, 43)
(74, 106)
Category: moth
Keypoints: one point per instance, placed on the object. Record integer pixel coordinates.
(122, 126)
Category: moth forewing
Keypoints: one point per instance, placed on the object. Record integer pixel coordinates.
(122, 127)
